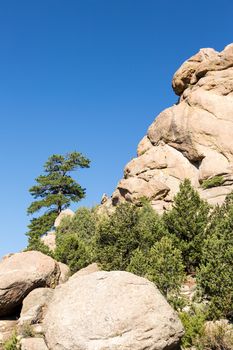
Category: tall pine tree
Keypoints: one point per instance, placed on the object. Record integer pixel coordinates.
(53, 192)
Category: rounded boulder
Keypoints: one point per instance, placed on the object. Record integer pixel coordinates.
(111, 310)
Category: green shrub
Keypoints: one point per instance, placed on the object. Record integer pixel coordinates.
(215, 181)
(162, 264)
(127, 229)
(73, 251)
(165, 267)
(82, 224)
(75, 239)
(193, 323)
(11, 343)
(26, 330)
(139, 263)
(216, 269)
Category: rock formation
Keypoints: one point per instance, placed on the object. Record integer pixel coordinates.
(192, 139)
(93, 310)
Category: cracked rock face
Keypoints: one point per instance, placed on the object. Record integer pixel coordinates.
(111, 310)
(192, 139)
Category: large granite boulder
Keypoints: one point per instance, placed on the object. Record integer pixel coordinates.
(192, 139)
(110, 310)
(21, 273)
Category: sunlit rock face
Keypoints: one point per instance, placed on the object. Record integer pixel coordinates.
(192, 139)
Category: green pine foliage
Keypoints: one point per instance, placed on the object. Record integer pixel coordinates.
(127, 229)
(53, 192)
(193, 323)
(73, 251)
(139, 263)
(166, 268)
(37, 227)
(75, 245)
(162, 264)
(187, 222)
(215, 276)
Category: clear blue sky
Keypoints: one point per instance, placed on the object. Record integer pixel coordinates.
(88, 75)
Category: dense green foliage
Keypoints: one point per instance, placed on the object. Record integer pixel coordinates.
(53, 192)
(75, 239)
(162, 264)
(215, 181)
(187, 222)
(215, 276)
(127, 229)
(193, 323)
(201, 335)
(166, 267)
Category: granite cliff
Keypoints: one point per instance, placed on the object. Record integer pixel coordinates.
(192, 139)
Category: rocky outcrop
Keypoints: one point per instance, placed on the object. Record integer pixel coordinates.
(21, 273)
(192, 139)
(110, 310)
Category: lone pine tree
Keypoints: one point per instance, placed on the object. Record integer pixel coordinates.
(54, 191)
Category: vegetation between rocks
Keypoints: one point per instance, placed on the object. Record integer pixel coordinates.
(189, 239)
(12, 342)
(214, 181)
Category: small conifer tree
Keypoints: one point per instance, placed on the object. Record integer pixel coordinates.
(187, 222)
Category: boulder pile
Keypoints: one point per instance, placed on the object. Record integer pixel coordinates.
(93, 309)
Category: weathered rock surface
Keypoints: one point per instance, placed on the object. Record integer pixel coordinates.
(192, 139)
(21, 273)
(65, 272)
(64, 214)
(86, 270)
(110, 310)
(33, 344)
(49, 239)
(34, 306)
